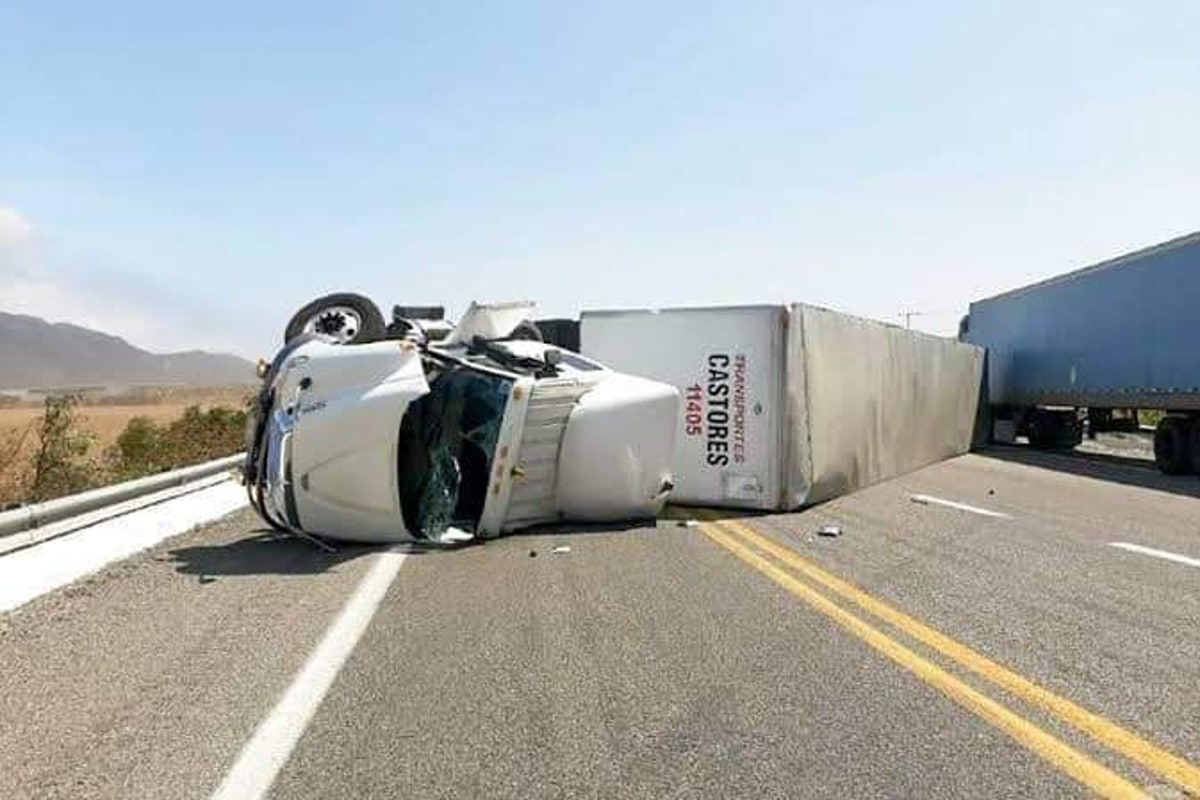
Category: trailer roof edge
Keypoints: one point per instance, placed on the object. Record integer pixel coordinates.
(1111, 263)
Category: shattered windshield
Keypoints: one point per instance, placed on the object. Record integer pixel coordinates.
(447, 442)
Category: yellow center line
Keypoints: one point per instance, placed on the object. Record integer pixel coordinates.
(1101, 780)
(1163, 763)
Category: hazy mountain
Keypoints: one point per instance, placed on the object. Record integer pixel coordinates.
(38, 354)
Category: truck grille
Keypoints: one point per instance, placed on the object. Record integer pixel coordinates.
(533, 498)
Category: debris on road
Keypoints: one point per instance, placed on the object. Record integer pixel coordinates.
(561, 549)
(829, 530)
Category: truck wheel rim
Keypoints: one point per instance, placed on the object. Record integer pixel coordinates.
(340, 323)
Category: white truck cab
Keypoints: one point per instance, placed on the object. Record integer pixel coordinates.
(474, 435)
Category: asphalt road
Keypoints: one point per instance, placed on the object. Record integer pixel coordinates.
(929, 650)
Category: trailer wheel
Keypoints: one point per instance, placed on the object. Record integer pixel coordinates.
(1053, 430)
(528, 331)
(1195, 443)
(1041, 432)
(1173, 445)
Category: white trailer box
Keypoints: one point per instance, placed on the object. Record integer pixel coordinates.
(788, 406)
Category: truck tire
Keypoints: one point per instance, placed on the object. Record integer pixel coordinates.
(1195, 444)
(1173, 445)
(1041, 432)
(528, 331)
(1053, 430)
(346, 317)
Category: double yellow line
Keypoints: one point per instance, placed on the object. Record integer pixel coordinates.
(786, 568)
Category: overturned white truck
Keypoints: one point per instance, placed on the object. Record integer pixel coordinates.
(419, 431)
(786, 406)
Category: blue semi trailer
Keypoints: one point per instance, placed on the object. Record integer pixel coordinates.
(1095, 345)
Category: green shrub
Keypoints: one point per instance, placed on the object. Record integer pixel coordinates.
(145, 447)
(137, 451)
(61, 465)
(1150, 417)
(61, 461)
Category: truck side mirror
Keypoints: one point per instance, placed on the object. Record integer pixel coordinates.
(550, 361)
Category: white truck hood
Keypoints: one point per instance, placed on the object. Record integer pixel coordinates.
(338, 411)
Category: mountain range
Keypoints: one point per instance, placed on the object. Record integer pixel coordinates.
(35, 353)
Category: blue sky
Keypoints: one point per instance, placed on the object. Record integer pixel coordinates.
(187, 174)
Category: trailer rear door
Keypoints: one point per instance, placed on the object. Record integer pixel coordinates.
(727, 363)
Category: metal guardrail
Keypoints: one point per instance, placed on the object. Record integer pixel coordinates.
(28, 517)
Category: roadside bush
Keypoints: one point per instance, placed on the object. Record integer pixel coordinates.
(16, 466)
(137, 450)
(145, 447)
(1150, 417)
(60, 464)
(52, 456)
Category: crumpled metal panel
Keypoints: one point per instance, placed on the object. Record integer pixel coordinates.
(869, 401)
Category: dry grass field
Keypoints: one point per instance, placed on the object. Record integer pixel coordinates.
(106, 422)
(103, 418)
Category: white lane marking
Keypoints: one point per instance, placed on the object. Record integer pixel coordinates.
(1150, 551)
(272, 743)
(29, 573)
(928, 499)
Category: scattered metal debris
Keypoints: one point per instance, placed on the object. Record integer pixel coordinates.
(453, 535)
(829, 530)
